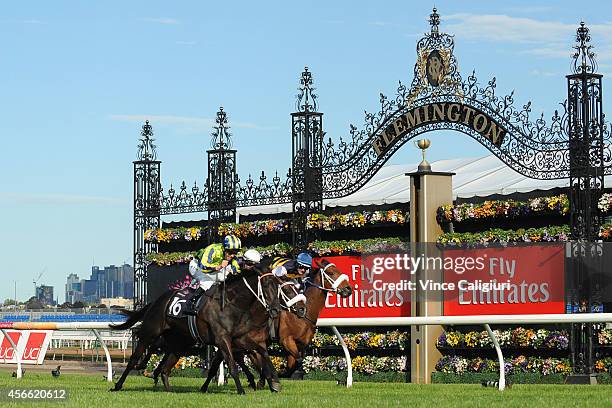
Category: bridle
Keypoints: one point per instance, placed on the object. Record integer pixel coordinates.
(326, 279)
(289, 302)
(260, 295)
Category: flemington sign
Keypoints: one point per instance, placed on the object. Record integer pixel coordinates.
(458, 113)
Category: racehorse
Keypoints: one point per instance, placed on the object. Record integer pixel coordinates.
(218, 322)
(289, 300)
(296, 332)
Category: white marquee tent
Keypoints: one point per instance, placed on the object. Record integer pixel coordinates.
(482, 176)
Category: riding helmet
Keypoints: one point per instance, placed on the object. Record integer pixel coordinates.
(304, 259)
(252, 255)
(231, 242)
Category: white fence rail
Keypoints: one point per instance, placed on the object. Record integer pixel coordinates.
(484, 320)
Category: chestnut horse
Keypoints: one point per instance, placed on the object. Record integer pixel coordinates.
(296, 332)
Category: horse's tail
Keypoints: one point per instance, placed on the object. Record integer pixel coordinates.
(133, 317)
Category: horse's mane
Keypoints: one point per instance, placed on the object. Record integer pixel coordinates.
(243, 274)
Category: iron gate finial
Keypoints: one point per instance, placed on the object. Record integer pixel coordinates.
(146, 148)
(583, 57)
(434, 20)
(221, 137)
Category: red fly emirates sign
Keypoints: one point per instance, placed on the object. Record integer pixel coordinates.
(32, 345)
(512, 280)
(369, 298)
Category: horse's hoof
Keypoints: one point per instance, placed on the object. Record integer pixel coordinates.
(203, 389)
(114, 389)
(241, 392)
(253, 386)
(275, 386)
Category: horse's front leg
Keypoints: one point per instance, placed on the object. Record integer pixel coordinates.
(212, 370)
(171, 360)
(134, 358)
(224, 343)
(250, 378)
(295, 355)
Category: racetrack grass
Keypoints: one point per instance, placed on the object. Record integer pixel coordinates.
(91, 391)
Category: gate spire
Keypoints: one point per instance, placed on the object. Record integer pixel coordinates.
(586, 131)
(584, 57)
(434, 21)
(147, 191)
(307, 155)
(222, 177)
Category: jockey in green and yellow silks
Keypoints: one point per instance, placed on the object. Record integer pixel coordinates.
(213, 264)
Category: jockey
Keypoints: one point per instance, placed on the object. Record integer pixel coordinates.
(293, 268)
(250, 259)
(212, 265)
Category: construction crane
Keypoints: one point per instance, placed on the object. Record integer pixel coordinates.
(35, 281)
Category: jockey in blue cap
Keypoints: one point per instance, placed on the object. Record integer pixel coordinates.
(212, 265)
(294, 268)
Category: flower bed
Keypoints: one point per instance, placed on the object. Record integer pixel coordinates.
(264, 227)
(605, 203)
(357, 247)
(605, 231)
(391, 339)
(355, 219)
(520, 364)
(367, 365)
(511, 338)
(604, 337)
(604, 365)
(509, 209)
(496, 235)
(317, 248)
(255, 228)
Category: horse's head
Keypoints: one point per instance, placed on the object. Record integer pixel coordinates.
(290, 297)
(328, 277)
(269, 287)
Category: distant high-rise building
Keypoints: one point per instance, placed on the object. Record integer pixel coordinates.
(74, 292)
(108, 282)
(44, 293)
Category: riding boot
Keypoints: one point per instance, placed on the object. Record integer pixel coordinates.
(191, 305)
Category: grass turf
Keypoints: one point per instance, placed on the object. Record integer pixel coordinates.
(91, 391)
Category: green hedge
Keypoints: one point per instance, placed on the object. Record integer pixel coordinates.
(313, 375)
(376, 377)
(521, 378)
(477, 378)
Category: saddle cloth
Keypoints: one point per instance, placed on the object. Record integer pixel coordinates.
(179, 302)
(176, 309)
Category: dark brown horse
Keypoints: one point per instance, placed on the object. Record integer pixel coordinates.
(290, 301)
(296, 332)
(218, 323)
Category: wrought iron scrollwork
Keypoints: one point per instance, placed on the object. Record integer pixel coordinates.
(534, 147)
(146, 148)
(262, 192)
(186, 201)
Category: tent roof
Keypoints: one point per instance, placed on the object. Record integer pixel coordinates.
(481, 176)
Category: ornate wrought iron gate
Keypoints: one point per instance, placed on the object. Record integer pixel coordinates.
(574, 144)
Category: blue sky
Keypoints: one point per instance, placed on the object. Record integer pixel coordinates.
(77, 80)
